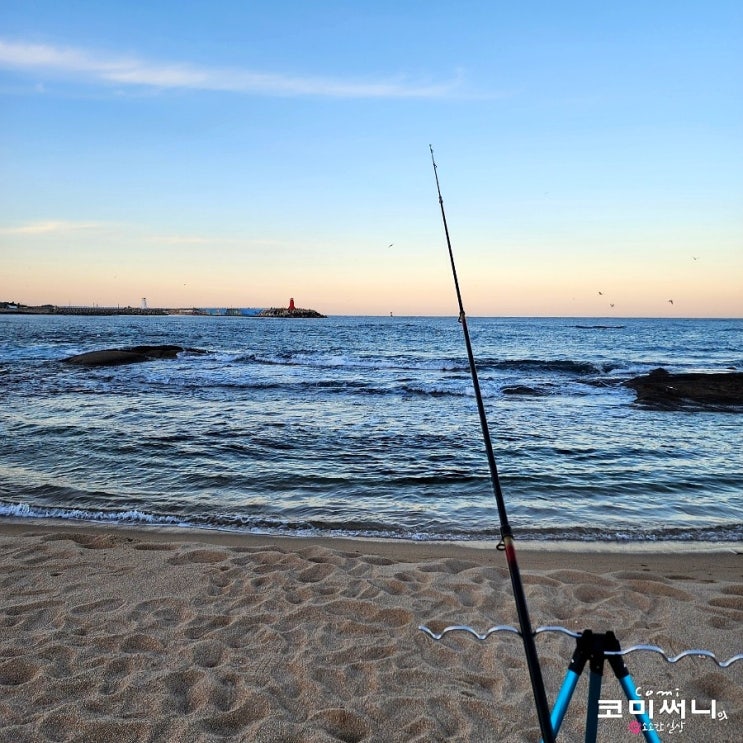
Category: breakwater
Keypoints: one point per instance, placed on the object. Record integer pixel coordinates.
(11, 308)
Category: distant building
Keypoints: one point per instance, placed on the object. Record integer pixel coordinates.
(228, 311)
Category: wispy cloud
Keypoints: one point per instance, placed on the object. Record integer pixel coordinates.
(181, 239)
(50, 227)
(123, 232)
(94, 67)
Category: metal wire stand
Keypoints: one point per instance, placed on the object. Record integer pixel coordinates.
(593, 649)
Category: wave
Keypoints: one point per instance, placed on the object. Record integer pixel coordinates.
(221, 380)
(433, 531)
(322, 360)
(559, 366)
(335, 361)
(129, 516)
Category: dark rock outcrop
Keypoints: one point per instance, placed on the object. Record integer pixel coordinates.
(522, 389)
(662, 389)
(132, 355)
(297, 312)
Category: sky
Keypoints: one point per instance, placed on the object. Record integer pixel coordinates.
(237, 154)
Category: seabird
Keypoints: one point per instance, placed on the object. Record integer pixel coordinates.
(671, 301)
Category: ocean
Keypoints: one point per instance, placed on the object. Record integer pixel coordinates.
(368, 426)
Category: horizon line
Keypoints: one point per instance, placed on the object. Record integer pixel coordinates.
(184, 310)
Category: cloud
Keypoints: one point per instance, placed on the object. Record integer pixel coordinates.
(50, 227)
(181, 239)
(91, 67)
(141, 234)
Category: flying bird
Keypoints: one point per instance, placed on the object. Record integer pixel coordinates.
(390, 245)
(601, 294)
(671, 301)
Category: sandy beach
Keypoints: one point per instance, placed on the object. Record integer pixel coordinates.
(118, 635)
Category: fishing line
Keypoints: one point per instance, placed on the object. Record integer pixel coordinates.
(527, 636)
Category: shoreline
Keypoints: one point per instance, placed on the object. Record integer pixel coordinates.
(378, 545)
(179, 636)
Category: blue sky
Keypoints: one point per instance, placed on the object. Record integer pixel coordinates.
(239, 153)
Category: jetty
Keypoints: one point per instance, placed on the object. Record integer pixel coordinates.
(16, 308)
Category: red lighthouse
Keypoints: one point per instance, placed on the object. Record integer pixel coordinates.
(291, 305)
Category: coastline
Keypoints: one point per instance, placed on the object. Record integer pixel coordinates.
(113, 632)
(408, 549)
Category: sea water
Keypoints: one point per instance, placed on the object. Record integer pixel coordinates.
(368, 426)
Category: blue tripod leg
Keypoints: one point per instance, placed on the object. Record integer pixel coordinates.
(630, 690)
(642, 717)
(594, 694)
(597, 649)
(563, 700)
(577, 663)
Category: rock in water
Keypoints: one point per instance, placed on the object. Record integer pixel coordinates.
(662, 389)
(133, 355)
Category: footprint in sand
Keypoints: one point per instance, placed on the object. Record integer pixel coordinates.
(203, 625)
(229, 724)
(316, 573)
(208, 653)
(198, 556)
(141, 643)
(728, 602)
(181, 688)
(17, 671)
(342, 724)
(656, 588)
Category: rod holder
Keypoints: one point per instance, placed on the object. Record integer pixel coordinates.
(482, 636)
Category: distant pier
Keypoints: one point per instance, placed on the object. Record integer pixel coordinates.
(14, 308)
(10, 308)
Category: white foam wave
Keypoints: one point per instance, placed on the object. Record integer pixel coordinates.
(24, 510)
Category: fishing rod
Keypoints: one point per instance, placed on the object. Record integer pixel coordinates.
(527, 635)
